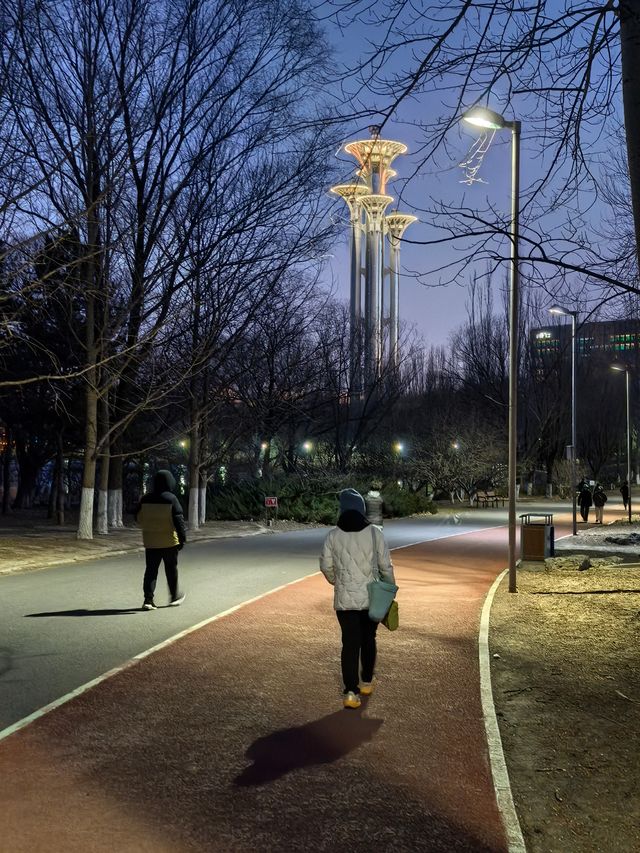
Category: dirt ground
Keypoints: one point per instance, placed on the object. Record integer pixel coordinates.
(565, 654)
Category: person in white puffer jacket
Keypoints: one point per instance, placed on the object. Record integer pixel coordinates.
(347, 561)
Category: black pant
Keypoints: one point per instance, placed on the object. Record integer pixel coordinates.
(584, 512)
(358, 646)
(153, 558)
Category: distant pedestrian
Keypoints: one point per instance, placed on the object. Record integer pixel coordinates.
(160, 516)
(624, 491)
(586, 500)
(348, 555)
(599, 500)
(374, 505)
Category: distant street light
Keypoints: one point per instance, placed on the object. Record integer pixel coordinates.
(623, 367)
(398, 447)
(565, 312)
(486, 118)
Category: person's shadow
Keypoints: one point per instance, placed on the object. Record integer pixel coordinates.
(84, 612)
(319, 742)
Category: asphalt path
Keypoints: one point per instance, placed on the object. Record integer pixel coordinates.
(67, 625)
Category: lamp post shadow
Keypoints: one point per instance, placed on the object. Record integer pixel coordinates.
(322, 741)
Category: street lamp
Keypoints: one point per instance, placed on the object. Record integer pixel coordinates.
(485, 118)
(624, 367)
(565, 312)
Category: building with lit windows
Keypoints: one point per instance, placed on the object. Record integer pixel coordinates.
(612, 339)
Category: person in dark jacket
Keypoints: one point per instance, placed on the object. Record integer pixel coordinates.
(160, 516)
(599, 500)
(624, 491)
(374, 505)
(586, 500)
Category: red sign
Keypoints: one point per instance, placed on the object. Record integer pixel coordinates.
(271, 501)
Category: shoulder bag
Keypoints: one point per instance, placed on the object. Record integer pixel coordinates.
(381, 593)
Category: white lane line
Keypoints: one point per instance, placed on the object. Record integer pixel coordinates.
(20, 724)
(501, 784)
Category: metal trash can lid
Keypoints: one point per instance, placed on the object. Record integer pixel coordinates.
(527, 516)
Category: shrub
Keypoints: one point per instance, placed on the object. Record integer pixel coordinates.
(402, 502)
(306, 500)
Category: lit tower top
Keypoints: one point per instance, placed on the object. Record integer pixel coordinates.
(375, 156)
(351, 194)
(375, 204)
(397, 224)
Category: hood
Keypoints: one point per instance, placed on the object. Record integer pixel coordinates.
(351, 500)
(164, 481)
(352, 521)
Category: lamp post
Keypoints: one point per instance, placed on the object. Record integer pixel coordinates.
(565, 312)
(624, 367)
(485, 118)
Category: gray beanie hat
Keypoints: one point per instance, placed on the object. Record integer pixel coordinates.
(350, 499)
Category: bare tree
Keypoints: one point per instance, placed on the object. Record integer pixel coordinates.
(123, 107)
(570, 71)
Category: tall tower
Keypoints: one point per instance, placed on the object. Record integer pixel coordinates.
(367, 200)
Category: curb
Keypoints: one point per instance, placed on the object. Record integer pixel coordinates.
(499, 773)
(135, 549)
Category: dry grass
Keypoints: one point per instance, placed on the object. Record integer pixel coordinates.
(568, 700)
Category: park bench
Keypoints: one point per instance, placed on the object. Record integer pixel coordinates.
(484, 499)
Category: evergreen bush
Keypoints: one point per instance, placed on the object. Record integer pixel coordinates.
(309, 500)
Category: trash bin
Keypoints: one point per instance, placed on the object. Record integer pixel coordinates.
(536, 536)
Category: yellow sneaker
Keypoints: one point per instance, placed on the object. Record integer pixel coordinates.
(351, 700)
(366, 688)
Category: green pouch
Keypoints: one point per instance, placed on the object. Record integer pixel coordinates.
(392, 619)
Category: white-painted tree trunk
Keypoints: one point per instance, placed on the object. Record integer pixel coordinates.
(85, 522)
(194, 517)
(202, 507)
(102, 525)
(115, 508)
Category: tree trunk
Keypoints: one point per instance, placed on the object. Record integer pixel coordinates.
(194, 471)
(85, 521)
(60, 495)
(202, 506)
(102, 522)
(6, 475)
(28, 475)
(115, 504)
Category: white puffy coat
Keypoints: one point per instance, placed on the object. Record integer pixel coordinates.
(347, 562)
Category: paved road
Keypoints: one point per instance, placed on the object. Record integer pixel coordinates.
(67, 625)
